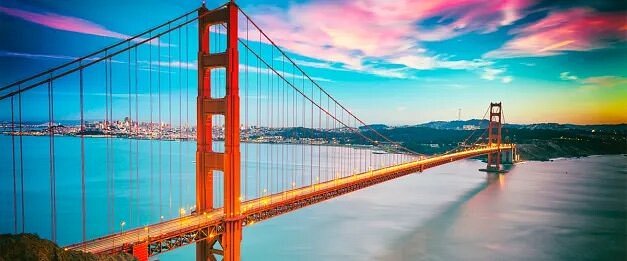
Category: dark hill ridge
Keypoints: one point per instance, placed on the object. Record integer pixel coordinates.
(454, 125)
(458, 125)
(375, 127)
(31, 247)
(535, 141)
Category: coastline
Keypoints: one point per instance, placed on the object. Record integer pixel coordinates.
(527, 151)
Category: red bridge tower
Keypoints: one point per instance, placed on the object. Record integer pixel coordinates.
(207, 159)
(494, 136)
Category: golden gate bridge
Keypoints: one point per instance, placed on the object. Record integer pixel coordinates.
(248, 90)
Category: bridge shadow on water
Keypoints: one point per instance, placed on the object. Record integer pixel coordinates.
(428, 241)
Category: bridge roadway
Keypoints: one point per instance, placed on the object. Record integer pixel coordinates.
(167, 235)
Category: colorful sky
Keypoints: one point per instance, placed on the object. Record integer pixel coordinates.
(394, 62)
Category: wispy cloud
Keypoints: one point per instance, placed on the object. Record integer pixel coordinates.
(69, 24)
(193, 65)
(48, 56)
(64, 23)
(577, 29)
(317, 64)
(598, 82)
(36, 56)
(492, 74)
(287, 75)
(566, 76)
(595, 82)
(356, 33)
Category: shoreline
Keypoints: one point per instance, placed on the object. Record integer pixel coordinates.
(524, 149)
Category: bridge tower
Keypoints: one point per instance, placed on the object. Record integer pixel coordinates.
(208, 160)
(494, 136)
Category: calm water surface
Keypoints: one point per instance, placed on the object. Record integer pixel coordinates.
(571, 209)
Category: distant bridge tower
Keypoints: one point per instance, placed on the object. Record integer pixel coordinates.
(207, 159)
(494, 135)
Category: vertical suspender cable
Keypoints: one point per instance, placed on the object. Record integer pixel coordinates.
(136, 127)
(343, 150)
(112, 145)
(108, 157)
(83, 203)
(159, 139)
(151, 130)
(282, 114)
(328, 136)
(295, 126)
(169, 138)
(180, 127)
(268, 165)
(257, 146)
(186, 85)
(311, 156)
(130, 142)
(246, 126)
(303, 134)
(335, 146)
(271, 119)
(14, 171)
(320, 131)
(19, 97)
(53, 222)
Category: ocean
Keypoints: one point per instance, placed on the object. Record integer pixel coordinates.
(566, 209)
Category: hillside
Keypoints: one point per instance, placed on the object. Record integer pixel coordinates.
(31, 247)
(535, 141)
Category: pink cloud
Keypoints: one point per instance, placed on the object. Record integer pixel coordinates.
(64, 23)
(71, 24)
(578, 29)
(354, 32)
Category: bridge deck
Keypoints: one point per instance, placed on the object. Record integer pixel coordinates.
(265, 207)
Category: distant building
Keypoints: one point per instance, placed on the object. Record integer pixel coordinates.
(470, 127)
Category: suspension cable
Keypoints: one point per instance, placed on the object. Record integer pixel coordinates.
(317, 85)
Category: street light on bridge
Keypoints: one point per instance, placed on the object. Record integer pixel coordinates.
(122, 224)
